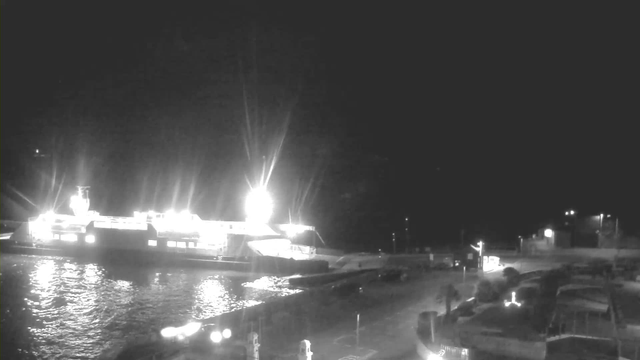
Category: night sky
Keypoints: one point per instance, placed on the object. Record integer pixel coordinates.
(492, 120)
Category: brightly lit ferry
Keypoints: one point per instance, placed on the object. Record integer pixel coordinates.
(171, 237)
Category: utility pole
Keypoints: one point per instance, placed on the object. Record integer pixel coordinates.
(406, 231)
(393, 238)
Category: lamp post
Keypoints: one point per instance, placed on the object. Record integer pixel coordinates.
(521, 241)
(572, 214)
(406, 231)
(393, 239)
(479, 249)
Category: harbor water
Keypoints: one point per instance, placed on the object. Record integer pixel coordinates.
(61, 308)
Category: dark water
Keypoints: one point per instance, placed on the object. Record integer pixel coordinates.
(61, 308)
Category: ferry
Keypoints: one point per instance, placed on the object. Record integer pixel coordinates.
(170, 237)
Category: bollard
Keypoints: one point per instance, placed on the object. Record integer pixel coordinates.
(253, 346)
(357, 330)
(304, 353)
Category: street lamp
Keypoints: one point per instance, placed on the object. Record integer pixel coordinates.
(521, 240)
(393, 238)
(571, 213)
(479, 249)
(258, 205)
(406, 232)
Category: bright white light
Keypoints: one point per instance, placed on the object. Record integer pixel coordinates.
(471, 299)
(258, 205)
(190, 328)
(169, 332)
(566, 213)
(185, 213)
(171, 244)
(572, 212)
(548, 233)
(216, 336)
(170, 212)
(69, 237)
(436, 356)
(49, 216)
(181, 244)
(513, 300)
(90, 239)
(292, 229)
(79, 205)
(37, 151)
(153, 243)
(226, 333)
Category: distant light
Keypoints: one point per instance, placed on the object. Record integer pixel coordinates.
(566, 213)
(191, 328)
(572, 212)
(548, 232)
(90, 239)
(226, 333)
(609, 215)
(259, 205)
(293, 229)
(37, 151)
(169, 332)
(406, 219)
(513, 300)
(216, 336)
(153, 243)
(171, 244)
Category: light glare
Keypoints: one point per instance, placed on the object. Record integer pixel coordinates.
(548, 233)
(191, 328)
(259, 205)
(513, 300)
(69, 237)
(226, 333)
(90, 239)
(216, 336)
(169, 332)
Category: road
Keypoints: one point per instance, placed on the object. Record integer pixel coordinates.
(388, 331)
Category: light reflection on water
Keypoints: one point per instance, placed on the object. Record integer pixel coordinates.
(61, 308)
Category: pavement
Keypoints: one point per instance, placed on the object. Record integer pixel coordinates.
(388, 331)
(385, 332)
